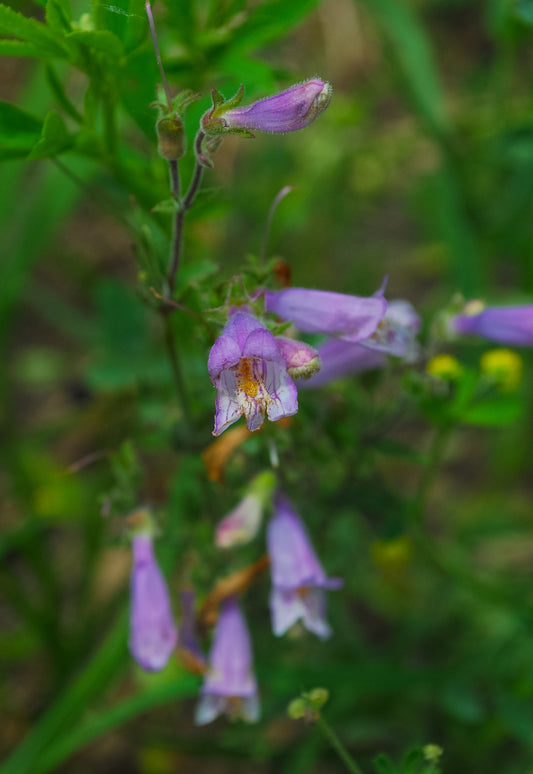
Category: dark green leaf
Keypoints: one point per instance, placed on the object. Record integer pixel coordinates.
(58, 91)
(19, 131)
(58, 15)
(126, 19)
(101, 40)
(54, 138)
(18, 48)
(384, 765)
(499, 411)
(31, 31)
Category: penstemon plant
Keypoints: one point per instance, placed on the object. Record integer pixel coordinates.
(240, 427)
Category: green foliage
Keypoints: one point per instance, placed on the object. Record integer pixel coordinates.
(414, 484)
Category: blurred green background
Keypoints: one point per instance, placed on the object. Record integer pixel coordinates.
(421, 169)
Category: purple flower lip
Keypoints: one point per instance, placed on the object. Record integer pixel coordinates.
(250, 375)
(351, 318)
(298, 579)
(288, 111)
(153, 634)
(505, 324)
(230, 686)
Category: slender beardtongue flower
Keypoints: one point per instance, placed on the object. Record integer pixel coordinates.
(302, 359)
(242, 524)
(288, 111)
(250, 375)
(342, 358)
(153, 634)
(230, 686)
(298, 579)
(505, 324)
(351, 318)
(397, 331)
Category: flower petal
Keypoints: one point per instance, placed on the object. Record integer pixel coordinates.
(227, 408)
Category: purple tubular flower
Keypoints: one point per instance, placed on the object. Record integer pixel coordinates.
(506, 324)
(153, 634)
(298, 579)
(250, 375)
(341, 358)
(318, 311)
(288, 111)
(230, 686)
(397, 331)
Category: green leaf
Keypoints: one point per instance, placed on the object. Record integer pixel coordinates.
(54, 138)
(384, 765)
(19, 131)
(58, 15)
(413, 51)
(499, 411)
(18, 48)
(101, 40)
(126, 19)
(104, 721)
(58, 91)
(31, 31)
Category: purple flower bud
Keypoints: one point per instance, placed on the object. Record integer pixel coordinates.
(153, 634)
(298, 579)
(318, 311)
(250, 375)
(505, 324)
(302, 359)
(230, 686)
(342, 358)
(288, 111)
(242, 524)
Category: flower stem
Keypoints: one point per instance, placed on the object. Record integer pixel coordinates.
(436, 454)
(172, 350)
(337, 745)
(158, 55)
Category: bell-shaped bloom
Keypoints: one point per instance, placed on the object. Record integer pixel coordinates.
(342, 358)
(153, 634)
(397, 331)
(298, 579)
(505, 324)
(230, 686)
(242, 524)
(250, 375)
(302, 359)
(288, 111)
(351, 318)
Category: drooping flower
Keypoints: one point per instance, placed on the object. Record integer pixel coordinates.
(298, 579)
(242, 524)
(342, 358)
(302, 359)
(397, 331)
(504, 324)
(153, 634)
(288, 111)
(230, 686)
(351, 318)
(250, 375)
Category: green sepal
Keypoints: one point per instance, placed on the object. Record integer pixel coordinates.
(54, 139)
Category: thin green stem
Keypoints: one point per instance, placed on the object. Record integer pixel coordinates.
(172, 350)
(158, 55)
(435, 457)
(338, 746)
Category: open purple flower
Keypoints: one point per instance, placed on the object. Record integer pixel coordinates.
(298, 579)
(397, 331)
(341, 358)
(230, 686)
(250, 375)
(506, 324)
(351, 318)
(153, 634)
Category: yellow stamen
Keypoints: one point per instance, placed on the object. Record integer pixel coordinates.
(246, 381)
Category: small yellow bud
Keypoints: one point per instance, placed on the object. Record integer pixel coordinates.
(504, 367)
(444, 367)
(392, 556)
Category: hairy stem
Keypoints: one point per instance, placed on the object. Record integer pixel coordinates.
(337, 745)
